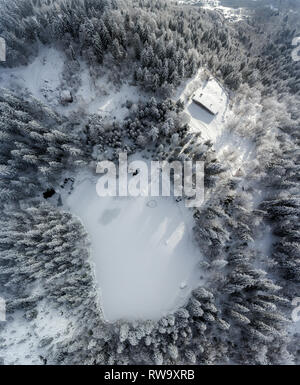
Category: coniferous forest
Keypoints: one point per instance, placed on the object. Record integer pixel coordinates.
(242, 311)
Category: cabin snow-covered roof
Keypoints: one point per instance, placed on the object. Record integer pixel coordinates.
(206, 101)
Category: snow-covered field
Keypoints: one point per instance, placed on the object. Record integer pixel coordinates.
(142, 248)
(43, 79)
(25, 341)
(104, 98)
(231, 14)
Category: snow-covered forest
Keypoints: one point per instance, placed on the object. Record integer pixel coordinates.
(90, 280)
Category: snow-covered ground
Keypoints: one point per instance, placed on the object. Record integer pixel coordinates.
(26, 341)
(142, 248)
(43, 78)
(103, 98)
(231, 14)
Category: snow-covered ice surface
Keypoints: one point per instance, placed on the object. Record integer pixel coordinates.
(144, 255)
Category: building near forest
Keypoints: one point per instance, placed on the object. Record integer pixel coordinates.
(206, 101)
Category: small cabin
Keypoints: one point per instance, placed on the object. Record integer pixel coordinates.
(206, 101)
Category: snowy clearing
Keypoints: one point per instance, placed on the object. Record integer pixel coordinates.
(42, 78)
(26, 342)
(231, 14)
(142, 248)
(104, 98)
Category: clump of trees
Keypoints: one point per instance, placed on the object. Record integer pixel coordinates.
(166, 43)
(36, 147)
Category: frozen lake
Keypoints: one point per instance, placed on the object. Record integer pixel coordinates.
(142, 248)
